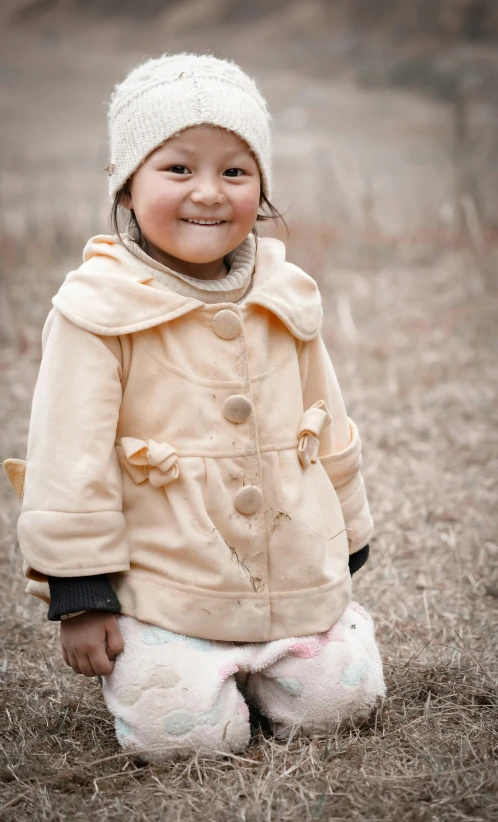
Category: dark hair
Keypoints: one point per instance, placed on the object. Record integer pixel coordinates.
(135, 228)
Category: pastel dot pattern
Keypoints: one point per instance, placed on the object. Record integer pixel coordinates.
(161, 677)
(172, 694)
(159, 636)
(291, 686)
(355, 673)
(178, 723)
(122, 728)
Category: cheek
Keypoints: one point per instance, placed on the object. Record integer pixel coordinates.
(246, 203)
(155, 204)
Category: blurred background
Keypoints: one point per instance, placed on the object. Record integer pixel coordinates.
(385, 138)
(385, 124)
(385, 111)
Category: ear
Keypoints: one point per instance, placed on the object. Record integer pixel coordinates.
(126, 200)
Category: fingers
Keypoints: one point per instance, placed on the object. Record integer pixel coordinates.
(96, 664)
(115, 643)
(101, 663)
(74, 663)
(65, 656)
(86, 667)
(90, 643)
(81, 664)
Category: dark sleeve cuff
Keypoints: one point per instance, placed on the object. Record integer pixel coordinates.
(358, 559)
(70, 594)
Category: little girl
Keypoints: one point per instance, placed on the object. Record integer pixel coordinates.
(192, 502)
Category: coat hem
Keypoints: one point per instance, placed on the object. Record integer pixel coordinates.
(232, 616)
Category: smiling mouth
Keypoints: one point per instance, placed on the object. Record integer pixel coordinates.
(203, 222)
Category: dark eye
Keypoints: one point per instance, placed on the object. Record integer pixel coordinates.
(236, 170)
(177, 169)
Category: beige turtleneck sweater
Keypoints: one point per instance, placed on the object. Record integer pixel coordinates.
(232, 288)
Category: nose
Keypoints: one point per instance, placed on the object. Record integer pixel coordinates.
(208, 192)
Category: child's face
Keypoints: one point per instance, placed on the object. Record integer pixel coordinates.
(202, 173)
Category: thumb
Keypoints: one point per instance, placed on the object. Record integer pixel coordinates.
(114, 639)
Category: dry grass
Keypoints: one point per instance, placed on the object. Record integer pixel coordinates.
(414, 347)
(425, 757)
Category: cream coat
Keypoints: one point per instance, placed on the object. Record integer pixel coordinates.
(198, 454)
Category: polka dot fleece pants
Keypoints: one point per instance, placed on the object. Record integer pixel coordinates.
(172, 694)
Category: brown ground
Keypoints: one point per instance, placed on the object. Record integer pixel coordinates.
(391, 197)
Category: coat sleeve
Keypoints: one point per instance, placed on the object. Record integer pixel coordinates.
(71, 522)
(340, 445)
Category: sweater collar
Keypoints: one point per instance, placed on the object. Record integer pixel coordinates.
(231, 288)
(113, 293)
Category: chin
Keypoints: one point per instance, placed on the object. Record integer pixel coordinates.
(204, 255)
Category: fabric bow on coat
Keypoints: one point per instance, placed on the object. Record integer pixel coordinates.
(148, 459)
(313, 421)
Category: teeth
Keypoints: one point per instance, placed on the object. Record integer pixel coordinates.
(205, 222)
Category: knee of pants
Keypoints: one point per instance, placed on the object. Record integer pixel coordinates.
(289, 703)
(161, 728)
(324, 680)
(171, 694)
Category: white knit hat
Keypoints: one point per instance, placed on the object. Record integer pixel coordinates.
(167, 94)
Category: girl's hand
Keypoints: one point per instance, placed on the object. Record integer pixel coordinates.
(90, 642)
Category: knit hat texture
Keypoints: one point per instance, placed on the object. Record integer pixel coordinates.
(168, 94)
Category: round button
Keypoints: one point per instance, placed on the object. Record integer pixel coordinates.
(248, 500)
(227, 324)
(237, 408)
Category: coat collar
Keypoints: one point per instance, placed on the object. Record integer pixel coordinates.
(113, 293)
